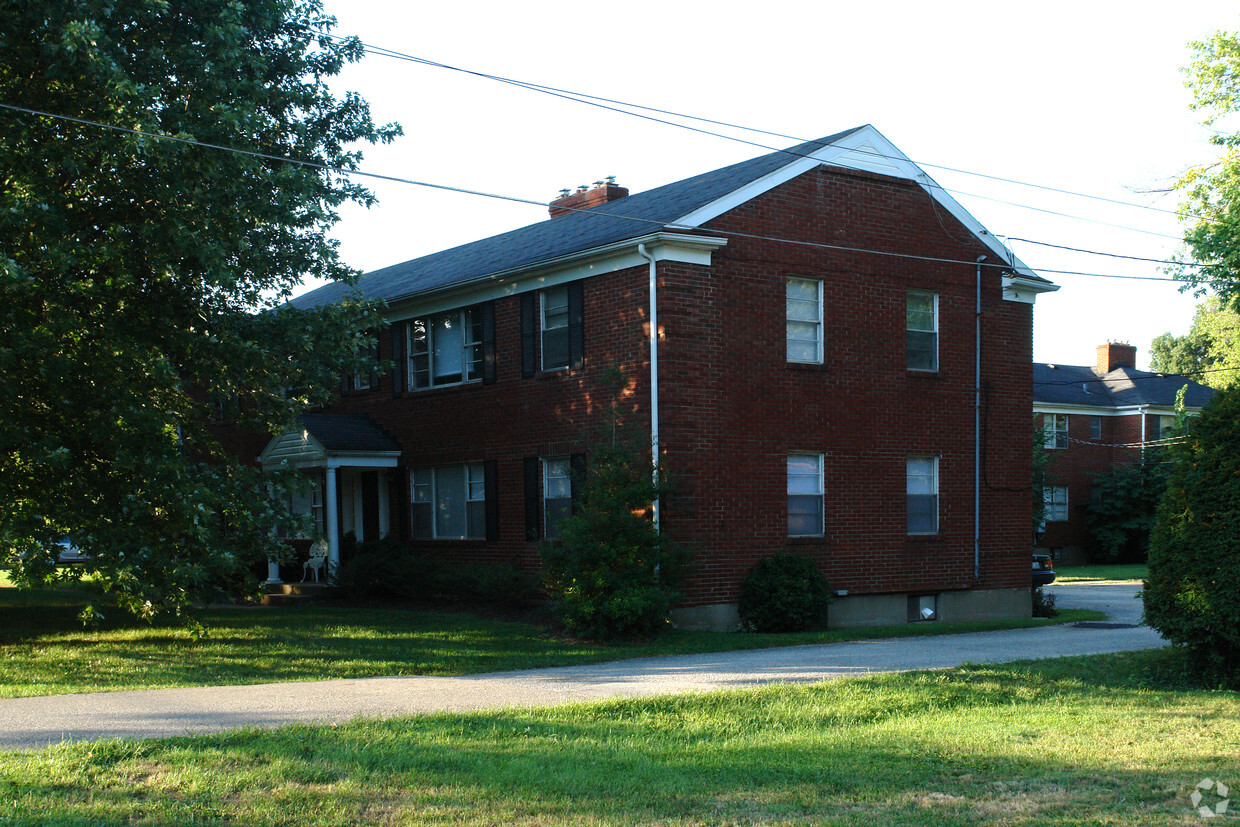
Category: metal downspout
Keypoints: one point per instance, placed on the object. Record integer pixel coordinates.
(977, 429)
(654, 376)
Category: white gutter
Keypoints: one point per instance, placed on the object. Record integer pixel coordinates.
(654, 375)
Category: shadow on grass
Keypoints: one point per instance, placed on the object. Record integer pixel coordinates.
(1012, 744)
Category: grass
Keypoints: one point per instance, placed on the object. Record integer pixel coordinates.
(45, 651)
(1121, 572)
(1096, 740)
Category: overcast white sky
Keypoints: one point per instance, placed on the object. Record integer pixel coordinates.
(1084, 96)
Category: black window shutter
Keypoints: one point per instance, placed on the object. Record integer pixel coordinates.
(576, 326)
(488, 343)
(529, 333)
(533, 507)
(490, 483)
(398, 358)
(577, 462)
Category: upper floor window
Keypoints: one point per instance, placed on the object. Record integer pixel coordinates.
(804, 311)
(553, 321)
(922, 487)
(555, 328)
(805, 495)
(445, 349)
(1054, 431)
(1095, 427)
(922, 326)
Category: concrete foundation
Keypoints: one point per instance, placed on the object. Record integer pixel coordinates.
(879, 609)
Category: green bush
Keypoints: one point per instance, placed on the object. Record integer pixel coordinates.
(1192, 593)
(1120, 512)
(610, 574)
(386, 569)
(784, 593)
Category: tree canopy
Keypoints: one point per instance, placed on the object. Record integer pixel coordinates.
(142, 279)
(1209, 352)
(1210, 208)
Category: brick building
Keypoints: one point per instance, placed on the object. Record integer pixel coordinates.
(1094, 417)
(814, 379)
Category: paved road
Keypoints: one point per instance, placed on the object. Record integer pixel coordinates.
(29, 723)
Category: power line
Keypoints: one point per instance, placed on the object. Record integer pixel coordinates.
(444, 187)
(612, 105)
(1111, 255)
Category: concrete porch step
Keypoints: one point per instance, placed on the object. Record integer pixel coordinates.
(293, 594)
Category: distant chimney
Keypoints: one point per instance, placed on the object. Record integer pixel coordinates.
(586, 197)
(1114, 355)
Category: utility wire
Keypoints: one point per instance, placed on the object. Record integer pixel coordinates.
(444, 187)
(1110, 255)
(612, 105)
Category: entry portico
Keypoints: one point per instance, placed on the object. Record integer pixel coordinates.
(349, 460)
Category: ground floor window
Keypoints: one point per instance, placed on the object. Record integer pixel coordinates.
(805, 495)
(557, 494)
(922, 486)
(1056, 499)
(449, 502)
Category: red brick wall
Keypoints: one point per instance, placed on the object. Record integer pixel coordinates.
(732, 408)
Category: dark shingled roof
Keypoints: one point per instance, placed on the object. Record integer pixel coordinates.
(348, 433)
(1122, 387)
(637, 215)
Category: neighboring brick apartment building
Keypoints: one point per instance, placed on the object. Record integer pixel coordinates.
(815, 362)
(1094, 417)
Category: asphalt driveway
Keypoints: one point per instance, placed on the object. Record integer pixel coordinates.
(30, 723)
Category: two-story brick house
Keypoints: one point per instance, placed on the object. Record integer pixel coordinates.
(1093, 418)
(840, 368)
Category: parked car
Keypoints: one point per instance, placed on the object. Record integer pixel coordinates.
(1043, 574)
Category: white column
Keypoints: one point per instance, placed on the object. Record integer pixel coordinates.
(333, 524)
(273, 572)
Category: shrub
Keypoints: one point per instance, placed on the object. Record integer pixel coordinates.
(1120, 512)
(385, 569)
(1043, 604)
(1192, 593)
(784, 593)
(610, 574)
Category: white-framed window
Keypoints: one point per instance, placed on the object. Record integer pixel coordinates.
(922, 486)
(449, 502)
(1095, 428)
(554, 323)
(557, 494)
(803, 303)
(1055, 497)
(1165, 424)
(921, 322)
(445, 349)
(1054, 431)
(307, 501)
(805, 492)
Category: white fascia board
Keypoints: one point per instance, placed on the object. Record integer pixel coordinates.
(864, 149)
(1024, 290)
(374, 459)
(1123, 410)
(610, 258)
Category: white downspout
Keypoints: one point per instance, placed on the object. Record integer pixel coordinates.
(977, 429)
(1141, 412)
(654, 375)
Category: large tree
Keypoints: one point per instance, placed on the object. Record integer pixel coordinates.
(142, 278)
(1209, 352)
(1211, 192)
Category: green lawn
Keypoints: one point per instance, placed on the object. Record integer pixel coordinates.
(45, 651)
(1098, 740)
(1132, 571)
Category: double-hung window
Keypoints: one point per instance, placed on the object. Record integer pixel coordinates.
(804, 311)
(449, 502)
(805, 492)
(554, 327)
(445, 349)
(1055, 498)
(922, 486)
(1095, 428)
(922, 330)
(1054, 431)
(557, 494)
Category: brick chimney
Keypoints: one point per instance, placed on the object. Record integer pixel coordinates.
(1114, 355)
(586, 197)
